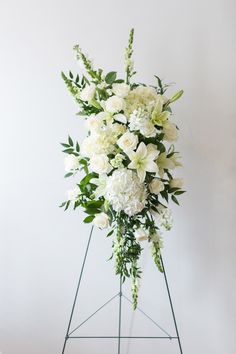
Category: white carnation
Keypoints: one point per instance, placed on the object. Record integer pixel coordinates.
(100, 164)
(101, 220)
(71, 163)
(87, 94)
(125, 192)
(121, 90)
(114, 104)
(128, 141)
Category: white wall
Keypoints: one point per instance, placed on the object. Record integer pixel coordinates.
(189, 42)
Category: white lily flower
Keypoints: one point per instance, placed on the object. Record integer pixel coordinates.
(142, 160)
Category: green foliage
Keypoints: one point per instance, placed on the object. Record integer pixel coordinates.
(110, 77)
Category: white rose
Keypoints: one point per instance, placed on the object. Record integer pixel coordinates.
(100, 163)
(71, 162)
(121, 90)
(128, 141)
(177, 183)
(87, 94)
(114, 104)
(156, 186)
(170, 132)
(72, 194)
(141, 234)
(101, 220)
(94, 123)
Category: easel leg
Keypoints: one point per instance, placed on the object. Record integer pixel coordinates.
(77, 291)
(120, 312)
(171, 305)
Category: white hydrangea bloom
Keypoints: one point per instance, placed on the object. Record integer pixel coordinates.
(140, 97)
(140, 121)
(125, 192)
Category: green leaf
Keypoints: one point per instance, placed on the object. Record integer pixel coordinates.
(70, 141)
(92, 211)
(68, 151)
(174, 199)
(95, 104)
(160, 84)
(67, 205)
(110, 77)
(176, 96)
(71, 75)
(77, 147)
(68, 174)
(89, 219)
(110, 233)
(172, 190)
(180, 192)
(62, 205)
(65, 145)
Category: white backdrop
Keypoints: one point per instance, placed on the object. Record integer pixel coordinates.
(189, 42)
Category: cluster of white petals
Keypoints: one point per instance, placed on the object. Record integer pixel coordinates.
(125, 192)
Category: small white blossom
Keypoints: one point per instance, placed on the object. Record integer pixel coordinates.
(87, 94)
(170, 132)
(141, 234)
(71, 163)
(117, 161)
(73, 194)
(101, 220)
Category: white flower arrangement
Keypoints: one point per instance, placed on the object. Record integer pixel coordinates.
(127, 157)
